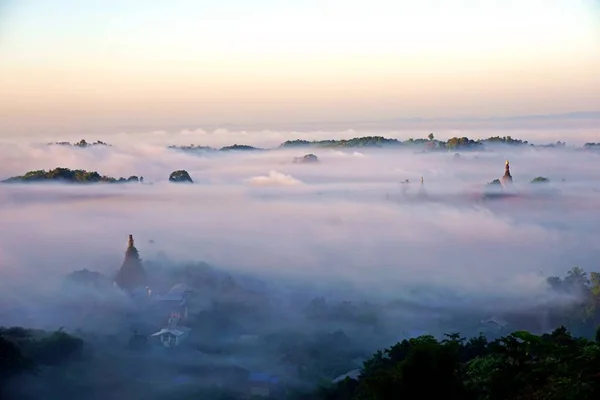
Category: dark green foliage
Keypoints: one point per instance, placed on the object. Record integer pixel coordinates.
(12, 360)
(40, 347)
(494, 182)
(367, 141)
(430, 143)
(35, 351)
(505, 140)
(67, 175)
(296, 143)
(56, 348)
(540, 179)
(463, 143)
(239, 147)
(518, 366)
(82, 143)
(180, 176)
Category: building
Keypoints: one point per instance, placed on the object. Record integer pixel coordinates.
(507, 179)
(178, 294)
(132, 275)
(176, 300)
(173, 334)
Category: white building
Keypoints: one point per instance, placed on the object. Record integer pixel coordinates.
(173, 334)
(171, 337)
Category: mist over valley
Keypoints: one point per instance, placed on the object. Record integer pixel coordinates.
(258, 270)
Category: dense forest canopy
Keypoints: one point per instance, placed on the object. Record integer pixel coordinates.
(517, 366)
(82, 143)
(501, 365)
(69, 176)
(429, 143)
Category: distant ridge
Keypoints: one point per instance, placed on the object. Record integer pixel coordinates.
(426, 144)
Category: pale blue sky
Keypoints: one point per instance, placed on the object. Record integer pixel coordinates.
(276, 60)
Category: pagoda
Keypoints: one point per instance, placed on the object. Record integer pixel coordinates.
(131, 276)
(507, 178)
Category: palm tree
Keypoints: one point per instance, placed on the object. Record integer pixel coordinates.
(577, 276)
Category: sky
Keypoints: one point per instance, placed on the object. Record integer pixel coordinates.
(112, 64)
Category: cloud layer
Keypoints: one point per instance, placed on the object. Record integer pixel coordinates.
(344, 220)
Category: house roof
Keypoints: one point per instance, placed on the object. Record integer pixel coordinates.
(179, 289)
(178, 331)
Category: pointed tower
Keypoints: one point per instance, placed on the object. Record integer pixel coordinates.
(132, 275)
(507, 178)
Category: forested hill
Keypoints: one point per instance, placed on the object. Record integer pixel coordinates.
(235, 147)
(82, 143)
(69, 176)
(429, 143)
(518, 366)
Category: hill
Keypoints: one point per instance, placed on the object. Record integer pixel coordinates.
(427, 144)
(68, 176)
(82, 143)
(207, 149)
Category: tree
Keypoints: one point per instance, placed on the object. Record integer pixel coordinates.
(430, 136)
(540, 179)
(68, 176)
(518, 366)
(180, 176)
(12, 361)
(577, 276)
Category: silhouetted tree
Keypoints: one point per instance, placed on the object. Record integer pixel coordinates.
(180, 176)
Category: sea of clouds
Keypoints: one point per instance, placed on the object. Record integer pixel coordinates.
(344, 219)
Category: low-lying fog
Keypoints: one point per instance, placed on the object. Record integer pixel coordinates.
(342, 228)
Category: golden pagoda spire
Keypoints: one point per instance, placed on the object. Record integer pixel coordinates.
(507, 178)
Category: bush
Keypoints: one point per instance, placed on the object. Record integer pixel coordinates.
(180, 176)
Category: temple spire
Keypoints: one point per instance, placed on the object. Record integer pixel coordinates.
(507, 178)
(132, 275)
